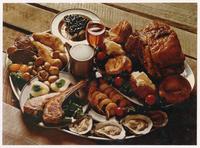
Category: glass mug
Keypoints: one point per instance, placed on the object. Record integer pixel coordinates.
(95, 32)
(81, 60)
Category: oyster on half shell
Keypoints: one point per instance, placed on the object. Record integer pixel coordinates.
(82, 126)
(137, 124)
(110, 129)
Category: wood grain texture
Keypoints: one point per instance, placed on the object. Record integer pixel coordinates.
(15, 131)
(182, 15)
(110, 16)
(9, 36)
(27, 17)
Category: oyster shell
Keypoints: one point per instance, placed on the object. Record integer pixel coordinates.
(100, 118)
(82, 126)
(159, 118)
(138, 124)
(110, 129)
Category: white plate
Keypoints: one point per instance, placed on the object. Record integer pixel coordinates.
(57, 23)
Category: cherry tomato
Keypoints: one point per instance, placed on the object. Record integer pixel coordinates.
(119, 111)
(150, 99)
(101, 55)
(123, 103)
(118, 81)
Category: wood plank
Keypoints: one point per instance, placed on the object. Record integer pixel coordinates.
(16, 131)
(181, 15)
(9, 36)
(189, 6)
(27, 17)
(111, 16)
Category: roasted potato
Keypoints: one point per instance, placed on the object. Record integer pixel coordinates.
(52, 78)
(58, 63)
(46, 66)
(63, 58)
(53, 70)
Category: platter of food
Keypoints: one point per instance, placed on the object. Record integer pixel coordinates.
(108, 84)
(70, 25)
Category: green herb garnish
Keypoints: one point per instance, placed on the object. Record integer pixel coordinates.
(17, 79)
(36, 88)
(73, 106)
(60, 83)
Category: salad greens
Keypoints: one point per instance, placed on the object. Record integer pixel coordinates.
(17, 79)
(72, 106)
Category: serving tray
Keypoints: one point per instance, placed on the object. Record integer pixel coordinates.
(188, 74)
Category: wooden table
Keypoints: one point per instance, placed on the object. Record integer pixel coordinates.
(27, 18)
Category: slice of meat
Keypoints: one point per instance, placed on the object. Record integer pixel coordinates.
(24, 42)
(35, 105)
(53, 112)
(22, 56)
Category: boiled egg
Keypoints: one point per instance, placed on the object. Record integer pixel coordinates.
(38, 89)
(60, 85)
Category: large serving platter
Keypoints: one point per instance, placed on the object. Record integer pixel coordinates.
(22, 96)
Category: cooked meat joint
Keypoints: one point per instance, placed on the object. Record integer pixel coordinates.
(157, 47)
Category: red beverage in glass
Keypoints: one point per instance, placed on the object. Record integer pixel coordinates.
(95, 33)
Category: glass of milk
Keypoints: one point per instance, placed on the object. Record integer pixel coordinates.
(81, 60)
